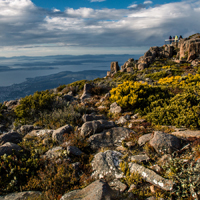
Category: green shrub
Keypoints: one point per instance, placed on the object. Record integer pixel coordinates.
(15, 171)
(185, 175)
(181, 110)
(32, 106)
(60, 88)
(157, 75)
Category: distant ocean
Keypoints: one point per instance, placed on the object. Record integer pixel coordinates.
(15, 70)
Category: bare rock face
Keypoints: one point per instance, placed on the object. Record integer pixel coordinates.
(128, 64)
(8, 148)
(109, 138)
(168, 51)
(165, 143)
(13, 137)
(86, 91)
(154, 52)
(142, 66)
(57, 135)
(114, 67)
(190, 47)
(98, 190)
(22, 195)
(106, 165)
(151, 177)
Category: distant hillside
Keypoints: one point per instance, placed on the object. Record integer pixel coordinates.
(46, 82)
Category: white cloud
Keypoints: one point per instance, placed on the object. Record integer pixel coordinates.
(147, 2)
(133, 6)
(24, 24)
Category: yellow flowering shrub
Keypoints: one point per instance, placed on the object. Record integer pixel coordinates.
(136, 95)
(181, 81)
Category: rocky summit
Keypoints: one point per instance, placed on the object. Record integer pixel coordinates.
(134, 134)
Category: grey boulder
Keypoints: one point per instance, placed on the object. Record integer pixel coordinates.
(109, 138)
(165, 143)
(98, 190)
(151, 177)
(8, 148)
(96, 126)
(57, 135)
(92, 117)
(22, 195)
(106, 165)
(13, 137)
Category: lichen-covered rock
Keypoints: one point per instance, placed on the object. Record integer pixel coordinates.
(96, 126)
(115, 108)
(57, 135)
(13, 137)
(106, 165)
(8, 148)
(140, 158)
(39, 133)
(109, 138)
(121, 120)
(98, 190)
(117, 185)
(145, 138)
(53, 153)
(151, 177)
(165, 143)
(31, 195)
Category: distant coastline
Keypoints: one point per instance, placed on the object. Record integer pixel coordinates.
(15, 70)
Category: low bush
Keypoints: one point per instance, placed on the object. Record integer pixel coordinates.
(136, 95)
(30, 107)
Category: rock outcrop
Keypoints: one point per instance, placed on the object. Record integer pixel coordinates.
(189, 47)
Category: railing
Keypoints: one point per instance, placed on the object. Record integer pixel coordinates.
(169, 41)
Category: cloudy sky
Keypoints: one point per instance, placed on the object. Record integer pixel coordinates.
(53, 27)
